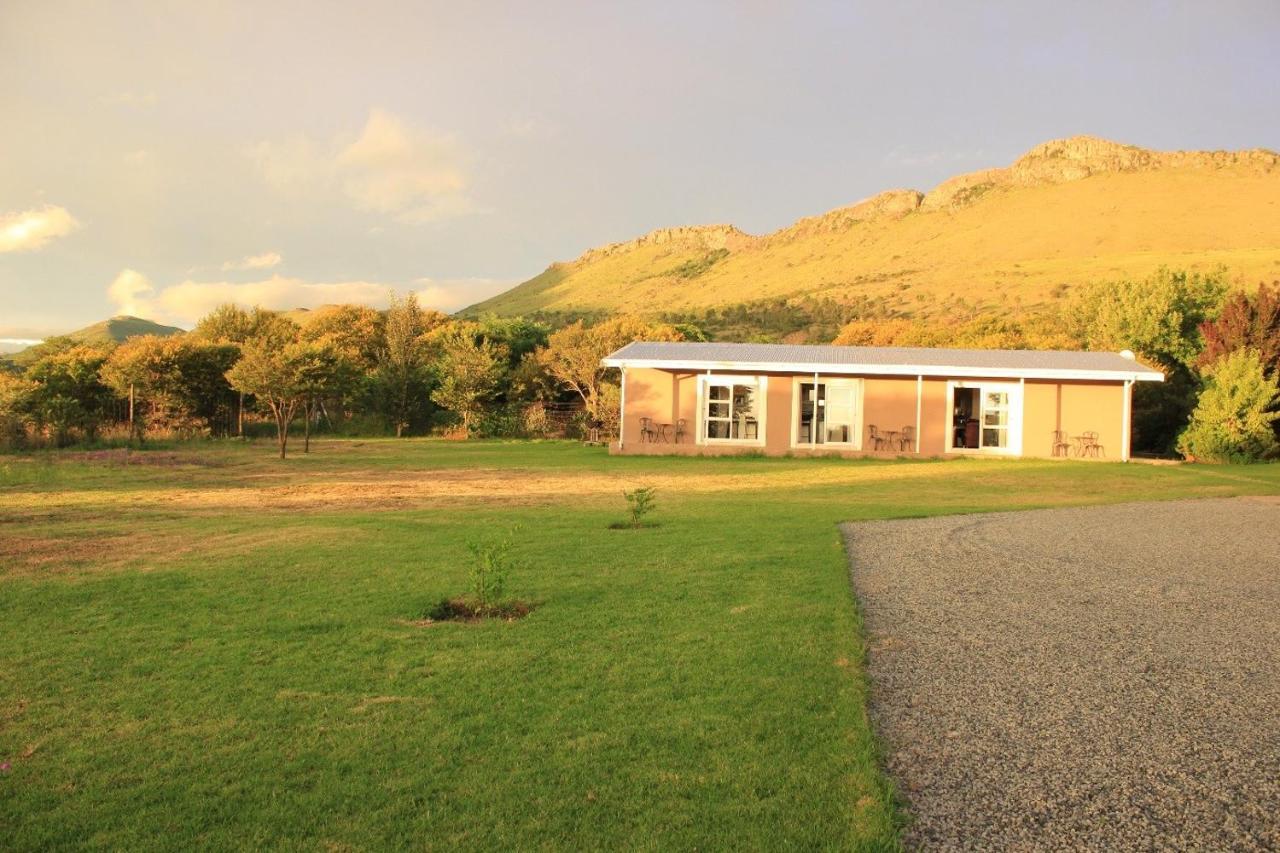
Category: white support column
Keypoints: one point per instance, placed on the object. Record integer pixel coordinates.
(1126, 419)
(919, 406)
(1022, 416)
(622, 410)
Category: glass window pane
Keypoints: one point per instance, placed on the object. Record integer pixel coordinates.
(717, 429)
(744, 399)
(717, 410)
(995, 438)
(718, 392)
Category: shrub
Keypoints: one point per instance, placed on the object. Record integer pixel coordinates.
(1233, 417)
(640, 503)
(489, 569)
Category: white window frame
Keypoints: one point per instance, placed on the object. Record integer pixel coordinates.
(1013, 389)
(855, 429)
(762, 408)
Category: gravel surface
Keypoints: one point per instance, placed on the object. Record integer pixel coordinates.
(1103, 677)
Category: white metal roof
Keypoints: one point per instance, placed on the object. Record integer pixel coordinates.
(886, 361)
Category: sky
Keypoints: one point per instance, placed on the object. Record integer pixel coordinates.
(159, 159)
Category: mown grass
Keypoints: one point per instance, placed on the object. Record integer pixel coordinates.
(174, 676)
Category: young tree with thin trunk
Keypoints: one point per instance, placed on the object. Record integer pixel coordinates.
(468, 372)
(323, 371)
(403, 376)
(273, 375)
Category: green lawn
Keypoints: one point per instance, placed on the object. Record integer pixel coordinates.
(214, 648)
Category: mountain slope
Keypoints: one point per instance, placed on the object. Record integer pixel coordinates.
(114, 330)
(1068, 211)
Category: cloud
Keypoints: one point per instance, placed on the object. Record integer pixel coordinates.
(265, 261)
(451, 294)
(186, 302)
(131, 291)
(391, 168)
(29, 230)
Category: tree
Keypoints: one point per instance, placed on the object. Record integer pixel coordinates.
(14, 409)
(355, 331)
(68, 392)
(1233, 418)
(231, 324)
(274, 375)
(322, 371)
(468, 372)
(574, 353)
(1158, 317)
(403, 376)
(1246, 321)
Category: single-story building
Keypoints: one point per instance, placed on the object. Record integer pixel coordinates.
(705, 398)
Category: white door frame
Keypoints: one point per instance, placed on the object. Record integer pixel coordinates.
(855, 428)
(1015, 392)
(762, 407)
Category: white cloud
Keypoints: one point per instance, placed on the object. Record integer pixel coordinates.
(451, 294)
(265, 261)
(29, 230)
(132, 292)
(186, 302)
(392, 168)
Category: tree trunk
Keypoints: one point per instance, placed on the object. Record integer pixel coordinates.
(306, 427)
(133, 433)
(240, 417)
(399, 428)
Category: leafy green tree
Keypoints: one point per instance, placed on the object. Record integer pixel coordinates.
(273, 371)
(403, 375)
(468, 372)
(14, 409)
(69, 393)
(355, 331)
(1158, 317)
(231, 324)
(140, 369)
(1233, 418)
(573, 354)
(324, 371)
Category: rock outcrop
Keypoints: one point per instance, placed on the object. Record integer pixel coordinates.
(707, 237)
(1060, 161)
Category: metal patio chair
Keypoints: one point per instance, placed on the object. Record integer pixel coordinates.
(1061, 446)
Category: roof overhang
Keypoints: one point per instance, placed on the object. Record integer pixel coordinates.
(1139, 373)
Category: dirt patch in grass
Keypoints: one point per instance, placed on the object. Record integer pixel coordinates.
(463, 610)
(395, 490)
(41, 556)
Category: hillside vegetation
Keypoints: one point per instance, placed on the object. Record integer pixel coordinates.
(1017, 238)
(116, 330)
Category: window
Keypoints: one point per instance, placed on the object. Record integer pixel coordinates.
(732, 409)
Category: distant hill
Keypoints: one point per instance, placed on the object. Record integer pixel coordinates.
(1069, 211)
(114, 330)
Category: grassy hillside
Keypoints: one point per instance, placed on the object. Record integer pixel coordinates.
(1067, 212)
(114, 330)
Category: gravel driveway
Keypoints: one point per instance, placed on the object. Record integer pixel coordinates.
(1104, 677)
